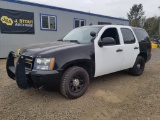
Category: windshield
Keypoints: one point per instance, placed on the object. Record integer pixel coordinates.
(81, 34)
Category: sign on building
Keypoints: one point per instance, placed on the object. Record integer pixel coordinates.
(16, 22)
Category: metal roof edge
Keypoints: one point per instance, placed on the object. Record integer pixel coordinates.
(62, 9)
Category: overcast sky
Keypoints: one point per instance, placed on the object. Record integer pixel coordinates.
(115, 8)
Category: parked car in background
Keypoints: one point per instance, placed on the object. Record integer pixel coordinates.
(156, 42)
(155, 39)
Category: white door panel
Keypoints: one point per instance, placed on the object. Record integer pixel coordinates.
(107, 59)
(130, 55)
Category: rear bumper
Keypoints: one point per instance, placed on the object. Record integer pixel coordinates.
(34, 78)
(148, 57)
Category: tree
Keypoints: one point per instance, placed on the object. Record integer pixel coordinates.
(135, 16)
(152, 25)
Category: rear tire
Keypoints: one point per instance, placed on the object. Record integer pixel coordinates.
(138, 67)
(75, 82)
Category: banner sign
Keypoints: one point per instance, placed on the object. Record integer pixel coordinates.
(16, 22)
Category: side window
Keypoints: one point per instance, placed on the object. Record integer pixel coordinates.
(48, 22)
(111, 32)
(79, 22)
(128, 36)
(141, 35)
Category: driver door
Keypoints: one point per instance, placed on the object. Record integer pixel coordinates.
(108, 58)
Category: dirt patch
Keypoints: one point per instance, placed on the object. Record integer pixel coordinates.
(117, 96)
(107, 96)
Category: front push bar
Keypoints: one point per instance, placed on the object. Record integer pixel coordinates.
(17, 73)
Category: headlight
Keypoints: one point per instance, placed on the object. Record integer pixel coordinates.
(44, 63)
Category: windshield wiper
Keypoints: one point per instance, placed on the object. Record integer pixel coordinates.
(75, 41)
(60, 40)
(71, 41)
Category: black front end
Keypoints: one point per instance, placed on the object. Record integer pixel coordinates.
(27, 77)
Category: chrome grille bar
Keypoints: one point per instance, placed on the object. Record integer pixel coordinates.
(28, 62)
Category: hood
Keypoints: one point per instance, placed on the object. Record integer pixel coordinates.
(37, 49)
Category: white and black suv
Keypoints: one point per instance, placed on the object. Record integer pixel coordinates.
(84, 53)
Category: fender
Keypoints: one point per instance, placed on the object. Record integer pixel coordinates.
(77, 61)
(87, 64)
(83, 56)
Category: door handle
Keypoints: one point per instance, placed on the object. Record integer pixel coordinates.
(119, 50)
(136, 48)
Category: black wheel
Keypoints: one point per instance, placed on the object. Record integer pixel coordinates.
(75, 82)
(138, 67)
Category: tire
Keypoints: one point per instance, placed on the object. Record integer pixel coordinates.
(74, 83)
(138, 67)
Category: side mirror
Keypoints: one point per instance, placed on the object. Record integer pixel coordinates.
(106, 41)
(93, 34)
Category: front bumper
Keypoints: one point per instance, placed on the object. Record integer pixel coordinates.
(47, 79)
(33, 78)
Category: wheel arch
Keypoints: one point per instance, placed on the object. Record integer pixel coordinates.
(144, 55)
(88, 65)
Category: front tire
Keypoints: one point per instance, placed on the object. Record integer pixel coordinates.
(138, 67)
(75, 82)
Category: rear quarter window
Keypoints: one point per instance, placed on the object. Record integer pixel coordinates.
(141, 35)
(128, 36)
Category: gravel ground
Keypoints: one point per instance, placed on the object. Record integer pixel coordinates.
(117, 96)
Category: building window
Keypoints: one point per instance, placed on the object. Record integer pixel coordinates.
(48, 22)
(79, 22)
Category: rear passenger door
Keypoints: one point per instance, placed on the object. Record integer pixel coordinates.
(131, 47)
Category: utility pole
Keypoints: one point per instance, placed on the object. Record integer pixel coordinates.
(159, 23)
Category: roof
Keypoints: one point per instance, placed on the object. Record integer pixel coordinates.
(109, 25)
(62, 9)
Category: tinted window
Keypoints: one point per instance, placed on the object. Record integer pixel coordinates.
(141, 35)
(111, 32)
(128, 36)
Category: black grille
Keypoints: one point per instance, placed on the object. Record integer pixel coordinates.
(28, 62)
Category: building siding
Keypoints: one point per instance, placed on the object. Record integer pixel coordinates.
(65, 23)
